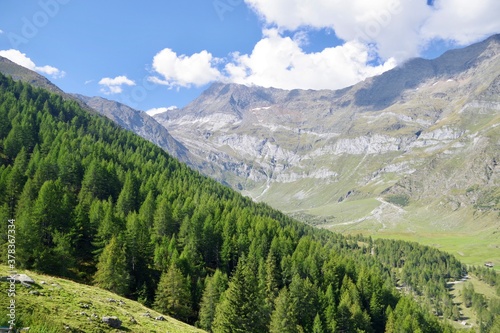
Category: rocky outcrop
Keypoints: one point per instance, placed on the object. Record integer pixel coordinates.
(113, 321)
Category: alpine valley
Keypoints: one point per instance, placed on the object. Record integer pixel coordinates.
(413, 153)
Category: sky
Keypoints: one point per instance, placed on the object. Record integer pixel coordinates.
(159, 54)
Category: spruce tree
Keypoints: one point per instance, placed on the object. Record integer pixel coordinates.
(242, 306)
(272, 280)
(163, 223)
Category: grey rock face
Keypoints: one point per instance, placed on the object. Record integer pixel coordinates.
(138, 122)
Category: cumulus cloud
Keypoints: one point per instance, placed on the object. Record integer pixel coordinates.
(376, 35)
(275, 61)
(184, 71)
(114, 86)
(154, 111)
(22, 60)
(280, 62)
(399, 29)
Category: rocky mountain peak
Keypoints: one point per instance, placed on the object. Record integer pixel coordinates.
(411, 132)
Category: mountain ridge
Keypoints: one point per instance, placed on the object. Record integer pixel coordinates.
(424, 134)
(128, 118)
(138, 122)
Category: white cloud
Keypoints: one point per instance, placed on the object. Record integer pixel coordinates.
(399, 28)
(463, 21)
(22, 60)
(280, 62)
(184, 71)
(376, 35)
(275, 61)
(154, 111)
(114, 86)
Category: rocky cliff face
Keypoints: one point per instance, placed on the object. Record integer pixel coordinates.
(427, 131)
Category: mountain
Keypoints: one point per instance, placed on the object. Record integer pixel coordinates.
(415, 150)
(93, 202)
(20, 73)
(138, 122)
(128, 118)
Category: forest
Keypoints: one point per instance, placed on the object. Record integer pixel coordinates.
(100, 205)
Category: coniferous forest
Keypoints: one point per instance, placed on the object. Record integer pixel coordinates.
(100, 205)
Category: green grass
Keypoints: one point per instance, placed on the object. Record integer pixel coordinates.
(63, 303)
(472, 237)
(471, 249)
(480, 287)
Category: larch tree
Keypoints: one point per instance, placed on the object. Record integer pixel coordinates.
(318, 325)
(284, 316)
(112, 272)
(173, 295)
(214, 287)
(242, 306)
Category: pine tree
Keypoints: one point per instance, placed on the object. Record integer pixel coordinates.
(112, 271)
(173, 295)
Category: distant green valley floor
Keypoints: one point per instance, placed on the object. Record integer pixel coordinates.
(473, 237)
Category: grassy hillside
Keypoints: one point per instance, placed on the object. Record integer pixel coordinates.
(56, 305)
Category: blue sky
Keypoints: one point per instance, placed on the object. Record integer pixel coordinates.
(156, 54)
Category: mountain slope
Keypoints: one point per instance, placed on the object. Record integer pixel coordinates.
(20, 73)
(138, 122)
(128, 118)
(61, 305)
(423, 135)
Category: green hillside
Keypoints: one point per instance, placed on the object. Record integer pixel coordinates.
(96, 204)
(59, 305)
